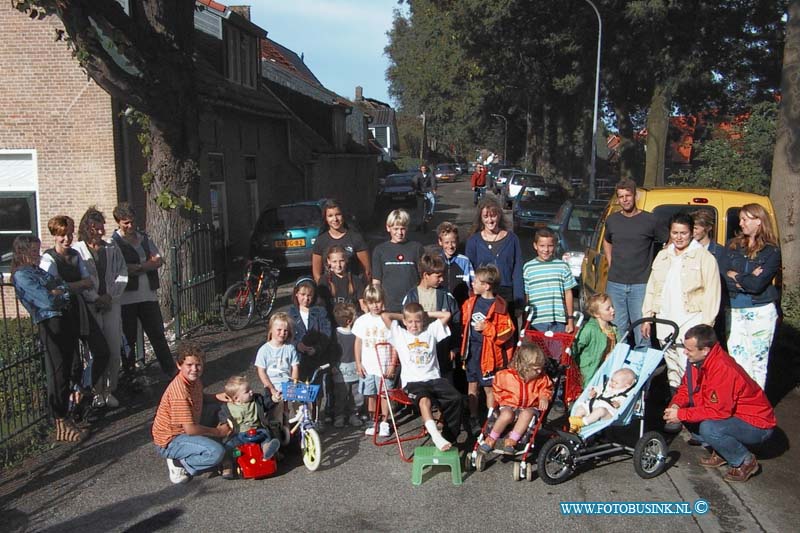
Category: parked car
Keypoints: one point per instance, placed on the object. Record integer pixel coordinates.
(537, 204)
(397, 188)
(501, 178)
(286, 233)
(445, 172)
(664, 202)
(515, 183)
(574, 225)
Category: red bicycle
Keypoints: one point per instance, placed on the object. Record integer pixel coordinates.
(255, 294)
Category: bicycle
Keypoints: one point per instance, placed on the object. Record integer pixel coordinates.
(304, 421)
(255, 294)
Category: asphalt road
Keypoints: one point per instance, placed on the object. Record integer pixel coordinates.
(116, 482)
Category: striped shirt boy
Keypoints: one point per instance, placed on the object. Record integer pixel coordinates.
(545, 285)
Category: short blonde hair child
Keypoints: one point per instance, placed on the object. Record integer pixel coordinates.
(374, 294)
(398, 217)
(280, 317)
(529, 356)
(594, 302)
(235, 384)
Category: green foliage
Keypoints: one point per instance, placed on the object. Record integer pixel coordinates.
(168, 200)
(740, 159)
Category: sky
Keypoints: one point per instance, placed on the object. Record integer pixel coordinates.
(342, 40)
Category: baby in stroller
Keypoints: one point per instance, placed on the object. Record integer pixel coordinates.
(519, 390)
(603, 404)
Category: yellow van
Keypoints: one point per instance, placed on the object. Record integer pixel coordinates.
(664, 202)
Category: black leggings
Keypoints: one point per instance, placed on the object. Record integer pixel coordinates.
(59, 336)
(149, 314)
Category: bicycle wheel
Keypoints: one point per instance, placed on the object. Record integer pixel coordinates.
(312, 449)
(267, 299)
(238, 306)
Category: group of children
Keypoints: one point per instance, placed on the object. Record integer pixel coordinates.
(454, 325)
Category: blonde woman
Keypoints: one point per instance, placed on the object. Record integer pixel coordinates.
(753, 261)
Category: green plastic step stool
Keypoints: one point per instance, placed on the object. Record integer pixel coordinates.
(432, 456)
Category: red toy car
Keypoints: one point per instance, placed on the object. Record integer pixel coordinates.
(250, 458)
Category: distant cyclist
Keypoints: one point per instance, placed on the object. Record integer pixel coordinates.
(425, 183)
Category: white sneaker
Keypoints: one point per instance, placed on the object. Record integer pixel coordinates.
(370, 431)
(98, 402)
(384, 430)
(111, 401)
(177, 474)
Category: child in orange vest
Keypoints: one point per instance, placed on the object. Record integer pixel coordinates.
(519, 390)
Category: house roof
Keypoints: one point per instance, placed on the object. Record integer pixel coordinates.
(286, 59)
(381, 112)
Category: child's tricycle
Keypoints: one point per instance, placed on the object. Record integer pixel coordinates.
(249, 457)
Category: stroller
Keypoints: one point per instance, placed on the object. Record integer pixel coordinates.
(560, 456)
(560, 368)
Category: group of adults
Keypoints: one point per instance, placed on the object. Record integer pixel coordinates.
(94, 291)
(713, 293)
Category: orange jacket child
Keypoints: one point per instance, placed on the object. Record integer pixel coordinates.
(497, 348)
(510, 390)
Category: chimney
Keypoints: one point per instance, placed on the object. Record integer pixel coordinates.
(241, 10)
(359, 93)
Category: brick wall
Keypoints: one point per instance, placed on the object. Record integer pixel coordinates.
(48, 104)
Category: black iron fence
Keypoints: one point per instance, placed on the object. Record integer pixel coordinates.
(195, 256)
(23, 389)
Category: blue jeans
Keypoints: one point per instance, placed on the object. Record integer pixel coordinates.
(555, 327)
(730, 438)
(431, 205)
(627, 300)
(196, 453)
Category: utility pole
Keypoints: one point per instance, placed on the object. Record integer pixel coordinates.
(422, 140)
(505, 137)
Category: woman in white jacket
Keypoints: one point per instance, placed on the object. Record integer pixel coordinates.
(109, 272)
(684, 287)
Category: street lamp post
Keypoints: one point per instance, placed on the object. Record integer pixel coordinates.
(593, 171)
(505, 136)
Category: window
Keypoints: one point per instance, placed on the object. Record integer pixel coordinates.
(252, 188)
(18, 210)
(217, 196)
(241, 52)
(381, 134)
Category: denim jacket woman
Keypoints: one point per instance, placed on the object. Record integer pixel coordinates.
(35, 289)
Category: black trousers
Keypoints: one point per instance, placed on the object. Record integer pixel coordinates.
(149, 314)
(59, 336)
(443, 393)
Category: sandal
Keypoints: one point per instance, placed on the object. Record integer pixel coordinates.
(66, 431)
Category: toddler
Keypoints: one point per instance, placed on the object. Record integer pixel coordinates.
(346, 398)
(519, 390)
(370, 330)
(246, 410)
(606, 404)
(597, 337)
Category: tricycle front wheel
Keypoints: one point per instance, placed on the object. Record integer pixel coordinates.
(312, 449)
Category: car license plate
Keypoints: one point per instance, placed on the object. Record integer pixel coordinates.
(290, 243)
(399, 197)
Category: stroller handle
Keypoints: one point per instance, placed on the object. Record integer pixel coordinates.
(655, 320)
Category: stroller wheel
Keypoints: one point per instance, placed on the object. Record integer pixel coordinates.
(517, 470)
(528, 472)
(650, 455)
(469, 465)
(556, 461)
(479, 462)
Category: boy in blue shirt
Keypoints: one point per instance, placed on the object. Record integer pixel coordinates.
(548, 286)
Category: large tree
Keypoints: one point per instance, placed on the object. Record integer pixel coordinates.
(785, 191)
(144, 60)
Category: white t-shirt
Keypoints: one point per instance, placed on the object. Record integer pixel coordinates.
(371, 330)
(672, 306)
(417, 353)
(278, 362)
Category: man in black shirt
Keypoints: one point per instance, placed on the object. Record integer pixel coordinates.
(628, 246)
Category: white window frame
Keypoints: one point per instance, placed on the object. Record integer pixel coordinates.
(21, 188)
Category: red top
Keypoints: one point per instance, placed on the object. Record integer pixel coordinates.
(497, 348)
(478, 178)
(510, 390)
(725, 391)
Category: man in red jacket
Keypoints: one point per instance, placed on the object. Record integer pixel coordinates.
(478, 182)
(721, 405)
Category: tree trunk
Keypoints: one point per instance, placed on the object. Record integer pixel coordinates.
(627, 147)
(785, 189)
(530, 137)
(175, 149)
(657, 131)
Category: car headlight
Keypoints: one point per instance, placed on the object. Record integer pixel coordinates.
(574, 260)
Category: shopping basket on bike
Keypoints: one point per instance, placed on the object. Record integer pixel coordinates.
(297, 391)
